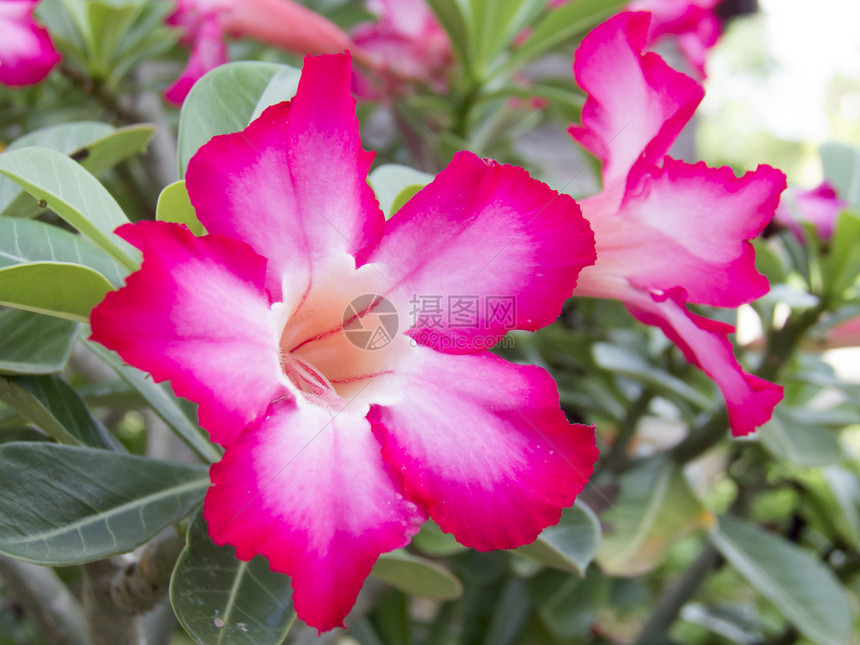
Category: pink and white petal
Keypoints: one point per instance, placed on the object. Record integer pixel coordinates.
(207, 52)
(750, 400)
(293, 184)
(637, 105)
(489, 232)
(309, 491)
(688, 225)
(197, 314)
(820, 207)
(482, 444)
(27, 54)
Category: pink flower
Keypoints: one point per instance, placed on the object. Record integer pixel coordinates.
(336, 453)
(820, 206)
(669, 233)
(27, 54)
(693, 24)
(406, 45)
(280, 23)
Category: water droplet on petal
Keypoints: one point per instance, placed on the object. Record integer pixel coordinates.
(218, 622)
(399, 497)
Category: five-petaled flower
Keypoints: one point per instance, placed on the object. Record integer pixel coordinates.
(335, 454)
(27, 54)
(280, 23)
(669, 232)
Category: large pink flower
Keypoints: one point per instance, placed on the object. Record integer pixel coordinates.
(336, 453)
(280, 23)
(820, 207)
(668, 232)
(27, 54)
(406, 44)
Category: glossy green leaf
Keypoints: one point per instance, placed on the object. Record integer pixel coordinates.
(620, 361)
(417, 576)
(59, 289)
(842, 168)
(566, 23)
(66, 505)
(223, 101)
(23, 241)
(281, 87)
(74, 194)
(801, 586)
(94, 145)
(51, 404)
(174, 205)
(108, 23)
(571, 544)
(34, 344)
(163, 402)
(390, 181)
(655, 509)
(221, 600)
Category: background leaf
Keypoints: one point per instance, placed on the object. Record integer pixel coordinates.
(417, 576)
(34, 344)
(805, 591)
(571, 544)
(174, 205)
(50, 404)
(221, 600)
(72, 193)
(67, 505)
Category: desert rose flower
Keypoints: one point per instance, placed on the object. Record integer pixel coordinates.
(27, 54)
(280, 23)
(820, 207)
(405, 45)
(669, 233)
(341, 438)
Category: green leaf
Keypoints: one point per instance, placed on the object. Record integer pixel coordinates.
(655, 510)
(96, 146)
(59, 289)
(163, 402)
(67, 505)
(841, 266)
(564, 24)
(34, 344)
(450, 16)
(842, 168)
(281, 87)
(801, 586)
(571, 544)
(799, 443)
(108, 22)
(417, 576)
(50, 404)
(23, 241)
(391, 181)
(221, 102)
(433, 541)
(72, 193)
(620, 361)
(174, 205)
(495, 23)
(569, 606)
(221, 600)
